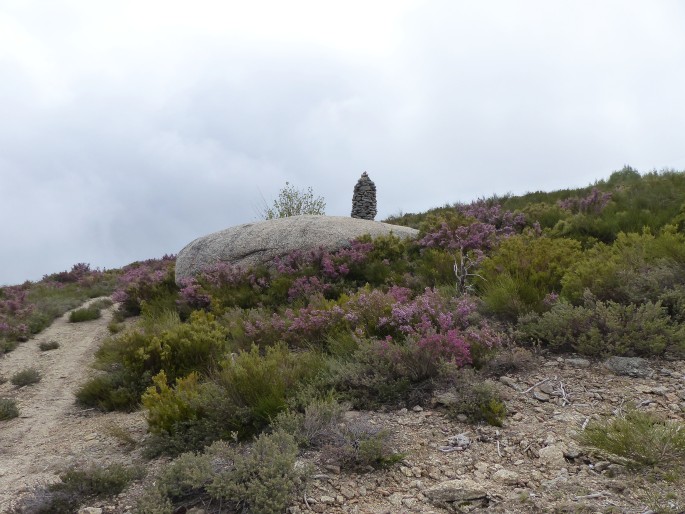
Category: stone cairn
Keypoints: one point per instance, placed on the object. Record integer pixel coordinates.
(364, 199)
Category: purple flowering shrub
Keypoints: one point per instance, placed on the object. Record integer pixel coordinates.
(146, 281)
(442, 327)
(15, 309)
(593, 203)
(468, 237)
(30, 307)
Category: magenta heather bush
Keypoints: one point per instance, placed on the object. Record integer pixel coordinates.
(191, 295)
(492, 223)
(441, 326)
(139, 281)
(306, 287)
(505, 222)
(593, 203)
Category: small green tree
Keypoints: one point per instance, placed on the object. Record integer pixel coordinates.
(293, 202)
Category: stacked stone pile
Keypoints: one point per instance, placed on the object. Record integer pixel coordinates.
(364, 199)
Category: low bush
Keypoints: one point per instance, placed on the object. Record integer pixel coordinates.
(478, 400)
(314, 427)
(48, 345)
(8, 409)
(85, 314)
(239, 400)
(523, 271)
(26, 377)
(509, 360)
(639, 439)
(359, 446)
(77, 486)
(604, 328)
(116, 390)
(262, 478)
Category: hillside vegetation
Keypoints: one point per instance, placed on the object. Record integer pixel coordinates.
(275, 355)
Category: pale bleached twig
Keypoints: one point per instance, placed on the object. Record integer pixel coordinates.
(535, 385)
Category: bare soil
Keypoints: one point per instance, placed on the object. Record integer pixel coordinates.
(531, 464)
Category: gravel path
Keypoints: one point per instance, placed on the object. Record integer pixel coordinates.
(52, 432)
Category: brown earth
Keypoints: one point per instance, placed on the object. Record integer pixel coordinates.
(531, 464)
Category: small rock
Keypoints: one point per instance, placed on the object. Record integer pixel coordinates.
(547, 388)
(196, 510)
(395, 499)
(417, 408)
(601, 465)
(328, 500)
(462, 418)
(578, 363)
(455, 491)
(552, 456)
(482, 466)
(332, 468)
(506, 477)
(615, 470)
(681, 394)
(539, 395)
(517, 417)
(572, 452)
(660, 390)
(629, 366)
(347, 492)
(510, 382)
(90, 510)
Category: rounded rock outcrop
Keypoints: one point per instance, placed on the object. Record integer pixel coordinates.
(262, 241)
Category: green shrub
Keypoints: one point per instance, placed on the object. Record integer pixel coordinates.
(239, 400)
(476, 399)
(196, 345)
(379, 374)
(294, 202)
(116, 390)
(48, 345)
(26, 377)
(254, 388)
(8, 409)
(634, 269)
(77, 486)
(315, 426)
(523, 271)
(639, 439)
(260, 479)
(604, 328)
(509, 360)
(263, 480)
(162, 343)
(167, 406)
(96, 481)
(358, 445)
(85, 314)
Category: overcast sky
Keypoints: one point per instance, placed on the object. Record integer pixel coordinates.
(130, 127)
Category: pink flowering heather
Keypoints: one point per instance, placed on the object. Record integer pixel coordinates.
(505, 222)
(142, 275)
(450, 346)
(306, 287)
(593, 203)
(191, 294)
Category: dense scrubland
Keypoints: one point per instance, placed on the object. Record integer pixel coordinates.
(270, 358)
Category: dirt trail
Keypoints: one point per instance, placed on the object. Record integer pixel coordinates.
(52, 432)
